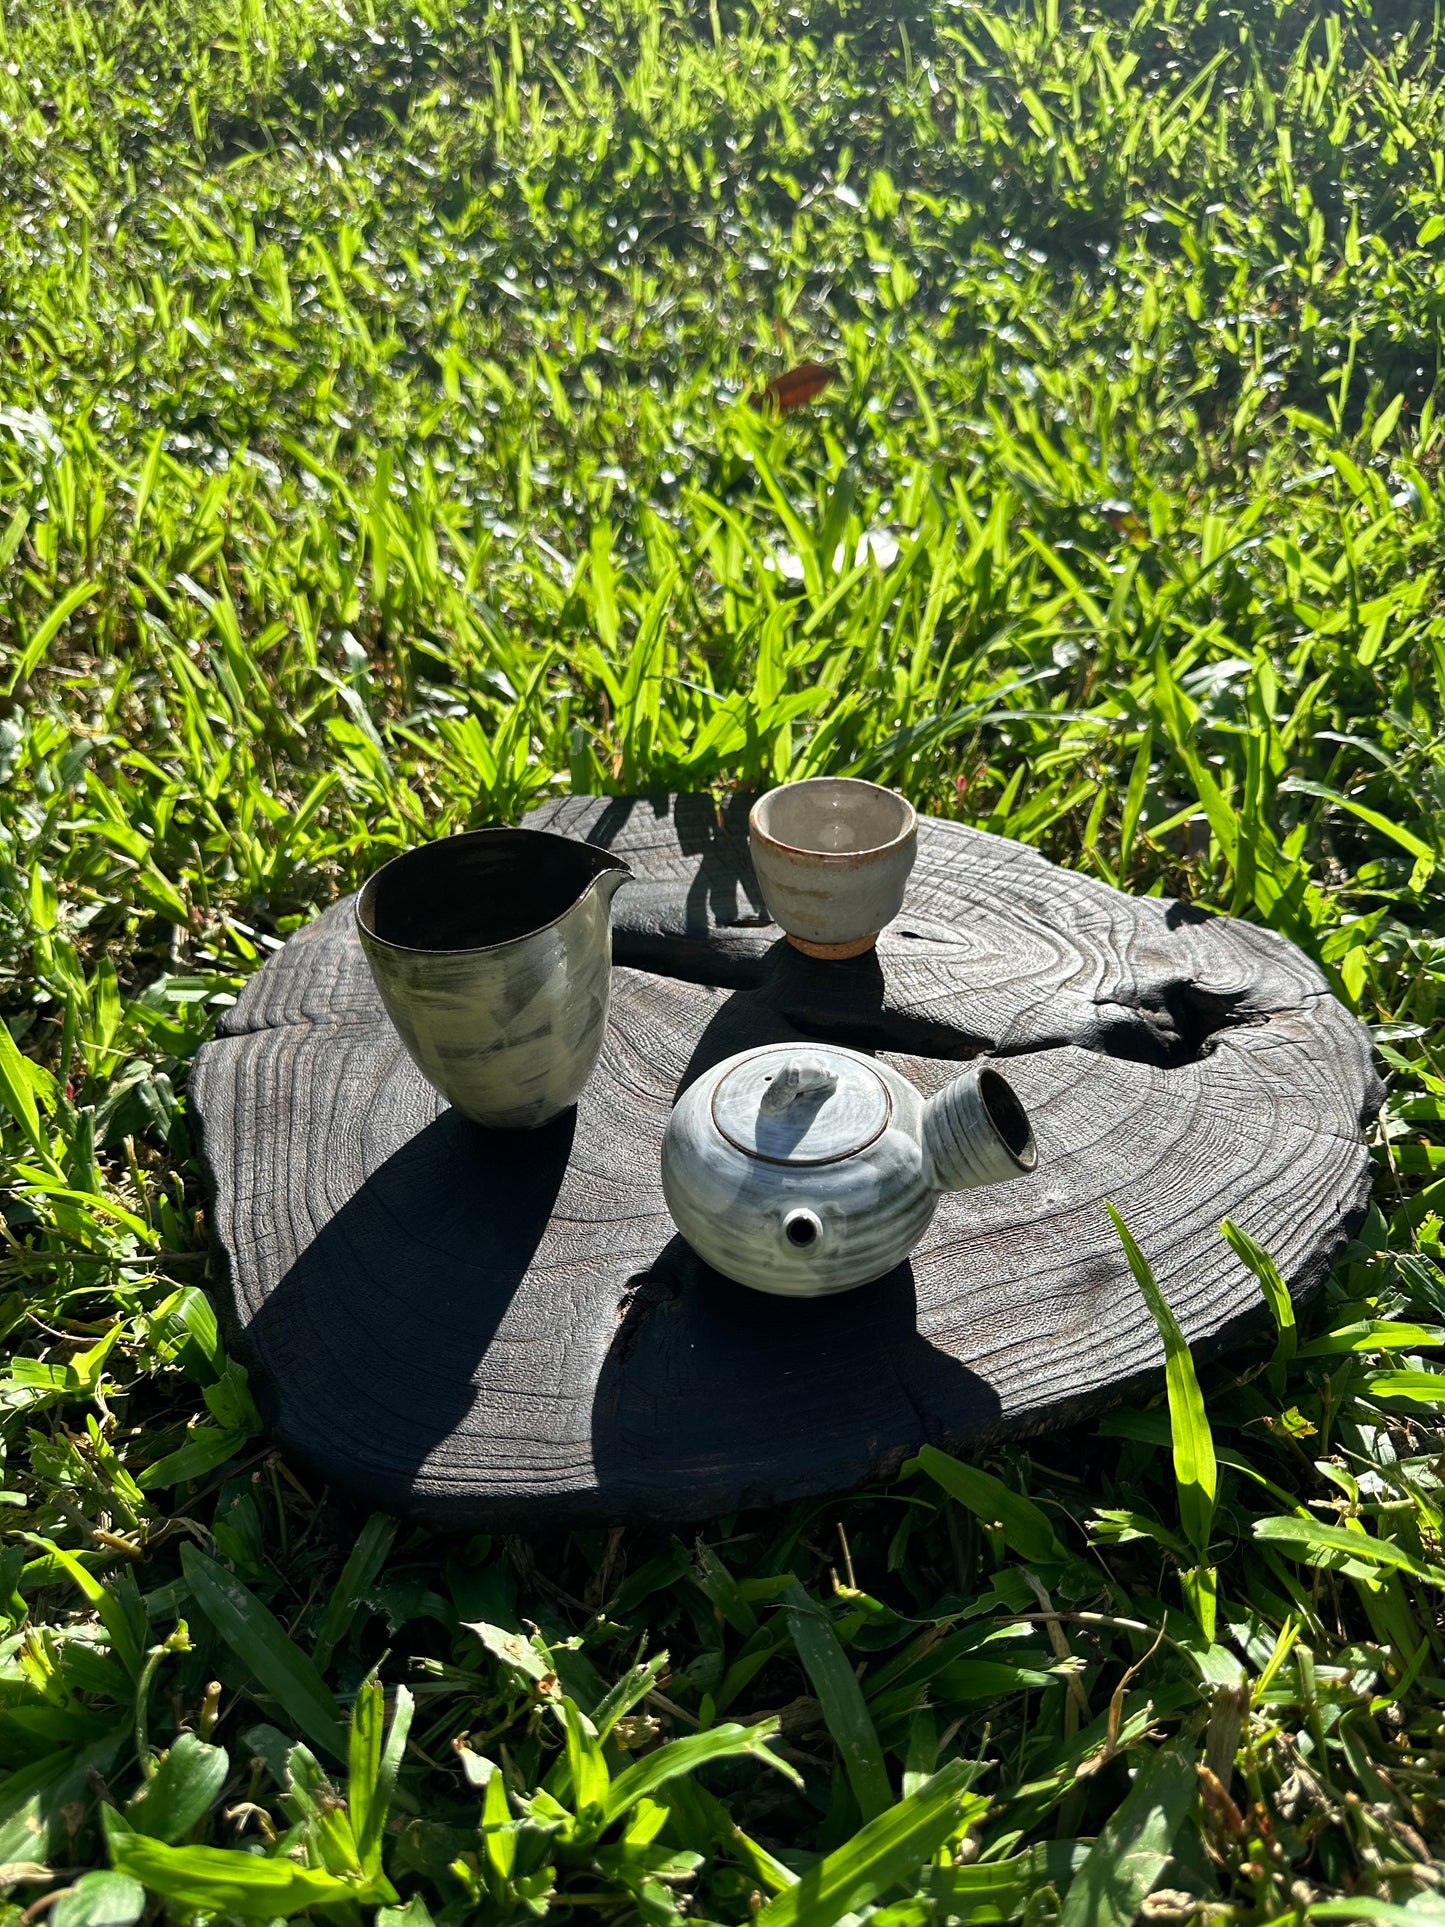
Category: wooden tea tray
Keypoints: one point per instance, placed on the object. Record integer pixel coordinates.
(477, 1328)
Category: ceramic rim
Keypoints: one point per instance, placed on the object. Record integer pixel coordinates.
(365, 896)
(910, 824)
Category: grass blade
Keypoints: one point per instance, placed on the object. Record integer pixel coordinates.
(366, 1559)
(685, 1756)
(17, 1089)
(1195, 1471)
(1276, 1296)
(74, 598)
(886, 1852)
(1027, 1529)
(1305, 1538)
(182, 1789)
(372, 1766)
(222, 1880)
(841, 1698)
(257, 1638)
(1128, 1859)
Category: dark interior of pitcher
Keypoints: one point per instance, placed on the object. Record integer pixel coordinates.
(482, 888)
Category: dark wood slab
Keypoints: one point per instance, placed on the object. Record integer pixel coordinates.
(480, 1328)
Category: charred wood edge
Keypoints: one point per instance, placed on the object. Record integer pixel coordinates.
(895, 1031)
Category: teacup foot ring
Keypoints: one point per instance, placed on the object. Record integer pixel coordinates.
(834, 952)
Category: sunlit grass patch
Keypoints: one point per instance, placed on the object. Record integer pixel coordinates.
(377, 457)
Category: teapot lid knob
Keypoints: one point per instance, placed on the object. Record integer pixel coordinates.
(803, 1078)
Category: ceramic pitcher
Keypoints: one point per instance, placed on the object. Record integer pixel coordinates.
(492, 952)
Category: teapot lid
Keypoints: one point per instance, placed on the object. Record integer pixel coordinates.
(793, 1104)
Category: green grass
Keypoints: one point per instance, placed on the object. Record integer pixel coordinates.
(375, 459)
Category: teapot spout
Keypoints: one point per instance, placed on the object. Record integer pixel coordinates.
(976, 1132)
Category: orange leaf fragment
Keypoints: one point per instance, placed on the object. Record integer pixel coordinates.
(796, 387)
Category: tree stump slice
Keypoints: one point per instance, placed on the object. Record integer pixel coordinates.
(479, 1328)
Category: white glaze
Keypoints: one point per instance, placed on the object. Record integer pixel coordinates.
(804, 1170)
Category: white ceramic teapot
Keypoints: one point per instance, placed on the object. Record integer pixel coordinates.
(803, 1169)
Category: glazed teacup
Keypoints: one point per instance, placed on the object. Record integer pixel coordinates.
(833, 856)
(492, 952)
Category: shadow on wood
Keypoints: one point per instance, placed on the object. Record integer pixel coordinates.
(372, 1340)
(734, 1395)
(694, 910)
